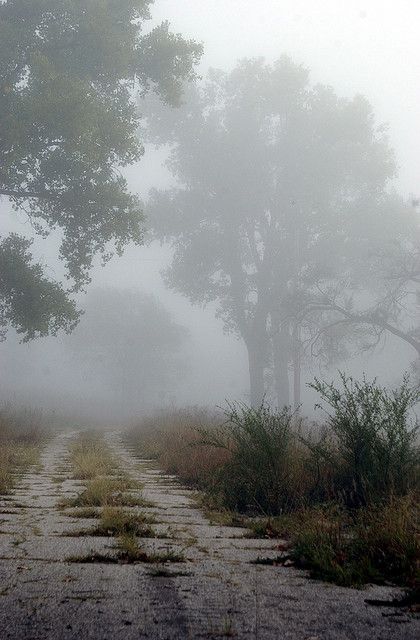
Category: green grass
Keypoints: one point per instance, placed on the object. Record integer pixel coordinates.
(129, 552)
(379, 544)
(115, 521)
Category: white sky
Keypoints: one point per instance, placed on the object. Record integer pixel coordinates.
(370, 47)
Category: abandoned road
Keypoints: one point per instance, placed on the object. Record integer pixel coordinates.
(55, 581)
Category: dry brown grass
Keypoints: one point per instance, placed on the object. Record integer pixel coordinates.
(22, 425)
(14, 459)
(102, 491)
(174, 440)
(90, 457)
(22, 432)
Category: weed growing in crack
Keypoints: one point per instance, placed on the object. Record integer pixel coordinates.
(102, 491)
(90, 456)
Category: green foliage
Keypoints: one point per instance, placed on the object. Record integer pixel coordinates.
(68, 122)
(345, 505)
(29, 302)
(371, 443)
(262, 471)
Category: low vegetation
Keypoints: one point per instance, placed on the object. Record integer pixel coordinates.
(90, 457)
(373, 544)
(129, 551)
(106, 492)
(369, 449)
(103, 491)
(22, 432)
(172, 438)
(344, 494)
(115, 521)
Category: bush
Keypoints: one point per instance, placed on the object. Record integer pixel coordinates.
(265, 472)
(370, 446)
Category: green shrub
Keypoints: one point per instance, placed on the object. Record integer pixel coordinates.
(265, 471)
(370, 446)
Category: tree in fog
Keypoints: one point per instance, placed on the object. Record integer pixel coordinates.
(336, 313)
(281, 185)
(68, 74)
(127, 342)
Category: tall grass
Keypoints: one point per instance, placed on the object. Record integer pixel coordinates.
(90, 457)
(22, 432)
(22, 424)
(173, 438)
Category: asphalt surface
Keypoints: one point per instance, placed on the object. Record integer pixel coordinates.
(217, 592)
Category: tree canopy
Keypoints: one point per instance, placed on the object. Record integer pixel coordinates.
(69, 72)
(283, 192)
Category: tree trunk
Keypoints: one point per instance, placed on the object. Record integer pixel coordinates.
(296, 368)
(281, 361)
(256, 373)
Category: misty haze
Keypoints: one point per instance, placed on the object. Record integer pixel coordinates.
(209, 319)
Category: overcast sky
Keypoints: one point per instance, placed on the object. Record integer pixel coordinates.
(370, 47)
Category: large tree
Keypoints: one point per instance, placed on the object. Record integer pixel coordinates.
(69, 71)
(281, 184)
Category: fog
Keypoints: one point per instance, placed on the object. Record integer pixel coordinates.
(357, 48)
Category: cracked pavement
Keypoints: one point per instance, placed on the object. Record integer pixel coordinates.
(217, 592)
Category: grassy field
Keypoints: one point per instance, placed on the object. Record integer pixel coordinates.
(344, 494)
